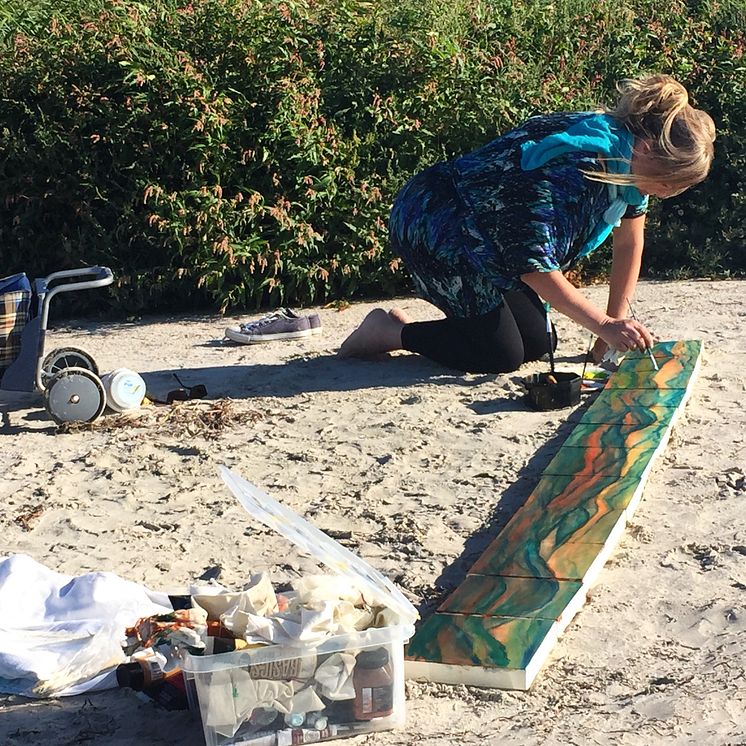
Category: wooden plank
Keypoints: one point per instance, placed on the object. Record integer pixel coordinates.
(552, 556)
(607, 435)
(477, 649)
(545, 598)
(632, 406)
(561, 510)
(684, 353)
(608, 462)
(498, 626)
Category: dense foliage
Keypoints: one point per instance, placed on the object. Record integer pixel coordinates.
(244, 152)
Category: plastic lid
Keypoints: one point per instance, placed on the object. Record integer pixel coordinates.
(320, 546)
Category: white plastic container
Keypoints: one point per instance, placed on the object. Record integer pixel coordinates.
(125, 389)
(227, 688)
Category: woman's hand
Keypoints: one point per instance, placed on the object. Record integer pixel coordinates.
(625, 335)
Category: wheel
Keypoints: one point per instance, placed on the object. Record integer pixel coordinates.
(75, 395)
(63, 358)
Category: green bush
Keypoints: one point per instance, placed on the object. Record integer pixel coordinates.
(246, 152)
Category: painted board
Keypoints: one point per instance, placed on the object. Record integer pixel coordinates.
(683, 353)
(545, 598)
(479, 650)
(497, 628)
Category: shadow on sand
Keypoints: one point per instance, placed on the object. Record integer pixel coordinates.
(323, 373)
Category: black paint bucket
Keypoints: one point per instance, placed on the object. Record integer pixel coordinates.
(553, 390)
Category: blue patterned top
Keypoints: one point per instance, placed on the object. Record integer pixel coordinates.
(468, 229)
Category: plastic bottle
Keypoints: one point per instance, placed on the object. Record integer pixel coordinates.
(374, 685)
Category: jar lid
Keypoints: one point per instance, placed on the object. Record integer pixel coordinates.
(376, 658)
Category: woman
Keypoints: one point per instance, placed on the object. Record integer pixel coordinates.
(487, 235)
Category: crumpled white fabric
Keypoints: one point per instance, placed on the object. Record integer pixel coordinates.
(334, 676)
(257, 597)
(306, 624)
(319, 606)
(306, 700)
(311, 588)
(61, 634)
(232, 695)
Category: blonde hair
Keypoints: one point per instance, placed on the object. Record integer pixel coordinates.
(656, 109)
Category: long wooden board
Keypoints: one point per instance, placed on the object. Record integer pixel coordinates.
(498, 626)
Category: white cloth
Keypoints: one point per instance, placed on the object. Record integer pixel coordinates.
(62, 634)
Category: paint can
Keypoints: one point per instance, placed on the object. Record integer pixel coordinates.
(124, 389)
(553, 390)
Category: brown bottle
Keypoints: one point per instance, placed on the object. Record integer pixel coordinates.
(168, 689)
(374, 685)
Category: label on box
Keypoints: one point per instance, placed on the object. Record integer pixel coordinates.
(290, 668)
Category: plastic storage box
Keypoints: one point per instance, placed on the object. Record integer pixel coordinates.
(354, 683)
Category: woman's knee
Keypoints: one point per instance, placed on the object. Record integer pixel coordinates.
(497, 357)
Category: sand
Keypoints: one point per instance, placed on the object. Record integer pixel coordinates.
(418, 466)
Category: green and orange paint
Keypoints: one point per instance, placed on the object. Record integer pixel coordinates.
(498, 626)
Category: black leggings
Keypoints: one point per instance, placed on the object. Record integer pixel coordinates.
(497, 342)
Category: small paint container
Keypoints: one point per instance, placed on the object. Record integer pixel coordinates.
(124, 388)
(552, 390)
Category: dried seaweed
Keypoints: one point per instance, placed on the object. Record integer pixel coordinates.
(29, 514)
(205, 419)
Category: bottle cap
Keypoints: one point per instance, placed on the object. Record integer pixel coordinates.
(131, 675)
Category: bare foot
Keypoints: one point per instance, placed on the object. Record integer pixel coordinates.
(379, 332)
(400, 315)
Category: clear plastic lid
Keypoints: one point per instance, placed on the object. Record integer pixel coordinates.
(320, 546)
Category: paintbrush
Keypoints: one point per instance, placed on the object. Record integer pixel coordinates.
(552, 379)
(585, 362)
(647, 349)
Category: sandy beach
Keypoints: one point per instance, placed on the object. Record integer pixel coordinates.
(417, 467)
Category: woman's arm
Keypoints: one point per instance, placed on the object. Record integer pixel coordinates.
(629, 240)
(620, 334)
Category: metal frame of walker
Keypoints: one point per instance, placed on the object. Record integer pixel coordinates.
(67, 377)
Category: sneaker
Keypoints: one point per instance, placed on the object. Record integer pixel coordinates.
(276, 325)
(314, 321)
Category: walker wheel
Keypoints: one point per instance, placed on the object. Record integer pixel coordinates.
(75, 395)
(63, 358)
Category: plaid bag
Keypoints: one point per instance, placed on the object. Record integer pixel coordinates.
(15, 305)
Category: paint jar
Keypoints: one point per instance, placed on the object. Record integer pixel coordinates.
(553, 390)
(124, 389)
(374, 685)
